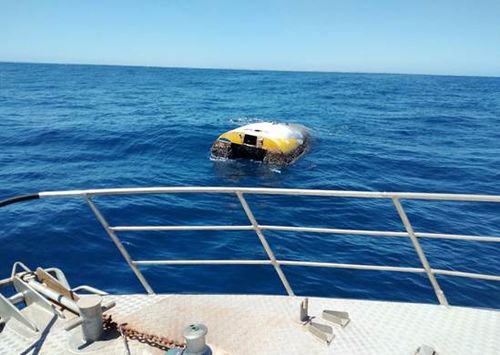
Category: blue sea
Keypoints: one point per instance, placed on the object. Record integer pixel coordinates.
(79, 126)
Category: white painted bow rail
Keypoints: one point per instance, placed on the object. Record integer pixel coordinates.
(260, 229)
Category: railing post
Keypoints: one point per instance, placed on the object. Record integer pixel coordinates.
(264, 243)
(421, 255)
(119, 245)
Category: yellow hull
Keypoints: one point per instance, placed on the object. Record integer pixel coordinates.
(269, 142)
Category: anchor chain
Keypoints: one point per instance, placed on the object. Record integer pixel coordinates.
(160, 342)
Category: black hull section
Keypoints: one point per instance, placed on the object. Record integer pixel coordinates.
(224, 150)
(239, 151)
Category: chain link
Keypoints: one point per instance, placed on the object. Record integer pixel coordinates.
(133, 334)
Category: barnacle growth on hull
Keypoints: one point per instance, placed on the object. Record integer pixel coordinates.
(272, 143)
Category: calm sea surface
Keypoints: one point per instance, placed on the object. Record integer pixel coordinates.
(76, 126)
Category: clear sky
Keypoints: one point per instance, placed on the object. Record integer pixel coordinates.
(459, 37)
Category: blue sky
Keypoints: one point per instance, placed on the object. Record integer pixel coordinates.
(421, 36)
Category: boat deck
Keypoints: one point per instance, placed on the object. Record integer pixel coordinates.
(247, 324)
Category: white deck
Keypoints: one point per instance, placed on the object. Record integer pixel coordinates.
(264, 324)
(243, 324)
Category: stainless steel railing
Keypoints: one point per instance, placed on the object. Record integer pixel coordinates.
(259, 229)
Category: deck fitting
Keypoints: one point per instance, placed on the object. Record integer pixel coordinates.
(321, 331)
(194, 335)
(336, 317)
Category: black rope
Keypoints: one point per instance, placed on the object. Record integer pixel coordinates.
(20, 198)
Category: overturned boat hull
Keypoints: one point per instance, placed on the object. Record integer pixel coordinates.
(272, 143)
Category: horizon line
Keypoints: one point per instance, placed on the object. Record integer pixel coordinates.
(247, 69)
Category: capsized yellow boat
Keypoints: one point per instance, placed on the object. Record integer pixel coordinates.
(273, 143)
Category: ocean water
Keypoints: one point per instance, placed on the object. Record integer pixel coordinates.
(77, 126)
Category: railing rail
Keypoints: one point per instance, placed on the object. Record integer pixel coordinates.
(259, 229)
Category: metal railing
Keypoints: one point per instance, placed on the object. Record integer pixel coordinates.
(259, 229)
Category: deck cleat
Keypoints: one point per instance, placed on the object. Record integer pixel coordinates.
(336, 317)
(321, 331)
